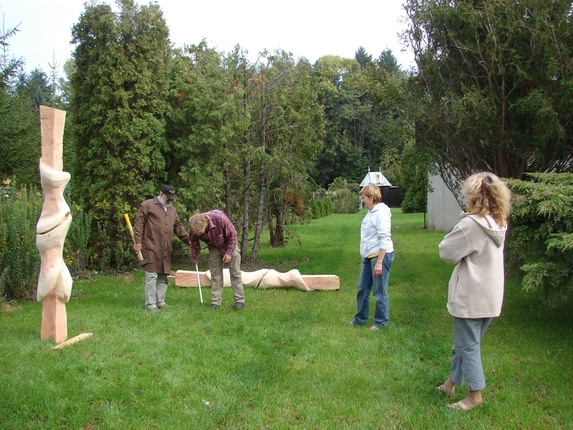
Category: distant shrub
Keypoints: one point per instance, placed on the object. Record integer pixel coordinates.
(320, 208)
(344, 196)
(344, 201)
(321, 205)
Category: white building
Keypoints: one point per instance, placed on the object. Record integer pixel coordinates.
(375, 178)
(443, 208)
(390, 193)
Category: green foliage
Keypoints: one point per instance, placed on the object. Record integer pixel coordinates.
(366, 124)
(344, 201)
(387, 61)
(200, 121)
(495, 85)
(19, 257)
(321, 208)
(540, 239)
(118, 87)
(363, 58)
(36, 88)
(413, 176)
(341, 183)
(19, 138)
(344, 196)
(77, 251)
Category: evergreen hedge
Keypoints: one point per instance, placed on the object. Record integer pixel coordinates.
(320, 208)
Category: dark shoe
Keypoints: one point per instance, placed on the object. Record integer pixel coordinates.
(214, 307)
(154, 309)
(239, 306)
(163, 305)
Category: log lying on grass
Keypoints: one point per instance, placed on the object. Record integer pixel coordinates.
(73, 340)
(264, 278)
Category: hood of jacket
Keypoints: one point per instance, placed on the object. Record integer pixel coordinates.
(490, 227)
(380, 207)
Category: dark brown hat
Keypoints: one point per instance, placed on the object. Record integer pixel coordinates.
(169, 191)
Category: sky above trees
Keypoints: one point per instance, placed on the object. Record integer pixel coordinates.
(305, 28)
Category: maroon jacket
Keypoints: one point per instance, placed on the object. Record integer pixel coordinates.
(154, 228)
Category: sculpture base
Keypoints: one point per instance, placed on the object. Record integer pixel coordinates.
(54, 319)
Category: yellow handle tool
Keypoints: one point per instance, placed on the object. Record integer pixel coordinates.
(126, 216)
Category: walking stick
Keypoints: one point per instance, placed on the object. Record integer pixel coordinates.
(199, 283)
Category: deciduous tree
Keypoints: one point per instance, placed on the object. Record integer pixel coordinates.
(496, 84)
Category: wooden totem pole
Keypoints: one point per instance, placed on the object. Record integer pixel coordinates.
(55, 281)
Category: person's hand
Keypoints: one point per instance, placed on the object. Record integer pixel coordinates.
(378, 269)
(137, 248)
(227, 258)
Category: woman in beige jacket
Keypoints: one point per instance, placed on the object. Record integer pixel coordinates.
(475, 291)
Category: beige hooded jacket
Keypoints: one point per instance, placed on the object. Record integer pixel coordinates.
(475, 247)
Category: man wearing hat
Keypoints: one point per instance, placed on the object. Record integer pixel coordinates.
(154, 226)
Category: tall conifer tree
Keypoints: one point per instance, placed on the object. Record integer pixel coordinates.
(117, 103)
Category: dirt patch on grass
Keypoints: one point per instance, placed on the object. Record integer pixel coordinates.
(127, 278)
(8, 307)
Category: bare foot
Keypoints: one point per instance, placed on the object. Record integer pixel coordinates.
(447, 390)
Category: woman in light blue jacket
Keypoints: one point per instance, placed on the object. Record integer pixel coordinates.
(475, 291)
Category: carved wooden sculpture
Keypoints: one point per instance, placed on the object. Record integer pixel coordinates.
(264, 278)
(55, 281)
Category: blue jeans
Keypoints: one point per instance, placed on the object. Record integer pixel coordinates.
(378, 285)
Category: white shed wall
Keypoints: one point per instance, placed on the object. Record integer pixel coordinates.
(443, 208)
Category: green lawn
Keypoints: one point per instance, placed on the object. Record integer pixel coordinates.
(289, 360)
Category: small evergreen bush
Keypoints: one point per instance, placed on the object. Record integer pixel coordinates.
(321, 205)
(540, 238)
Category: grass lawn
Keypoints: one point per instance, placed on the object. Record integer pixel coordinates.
(289, 360)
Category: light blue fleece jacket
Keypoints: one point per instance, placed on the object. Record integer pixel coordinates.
(375, 233)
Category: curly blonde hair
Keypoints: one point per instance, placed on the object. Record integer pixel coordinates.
(372, 191)
(486, 194)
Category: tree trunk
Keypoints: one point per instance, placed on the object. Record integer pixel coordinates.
(260, 218)
(278, 239)
(228, 204)
(246, 210)
(271, 226)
